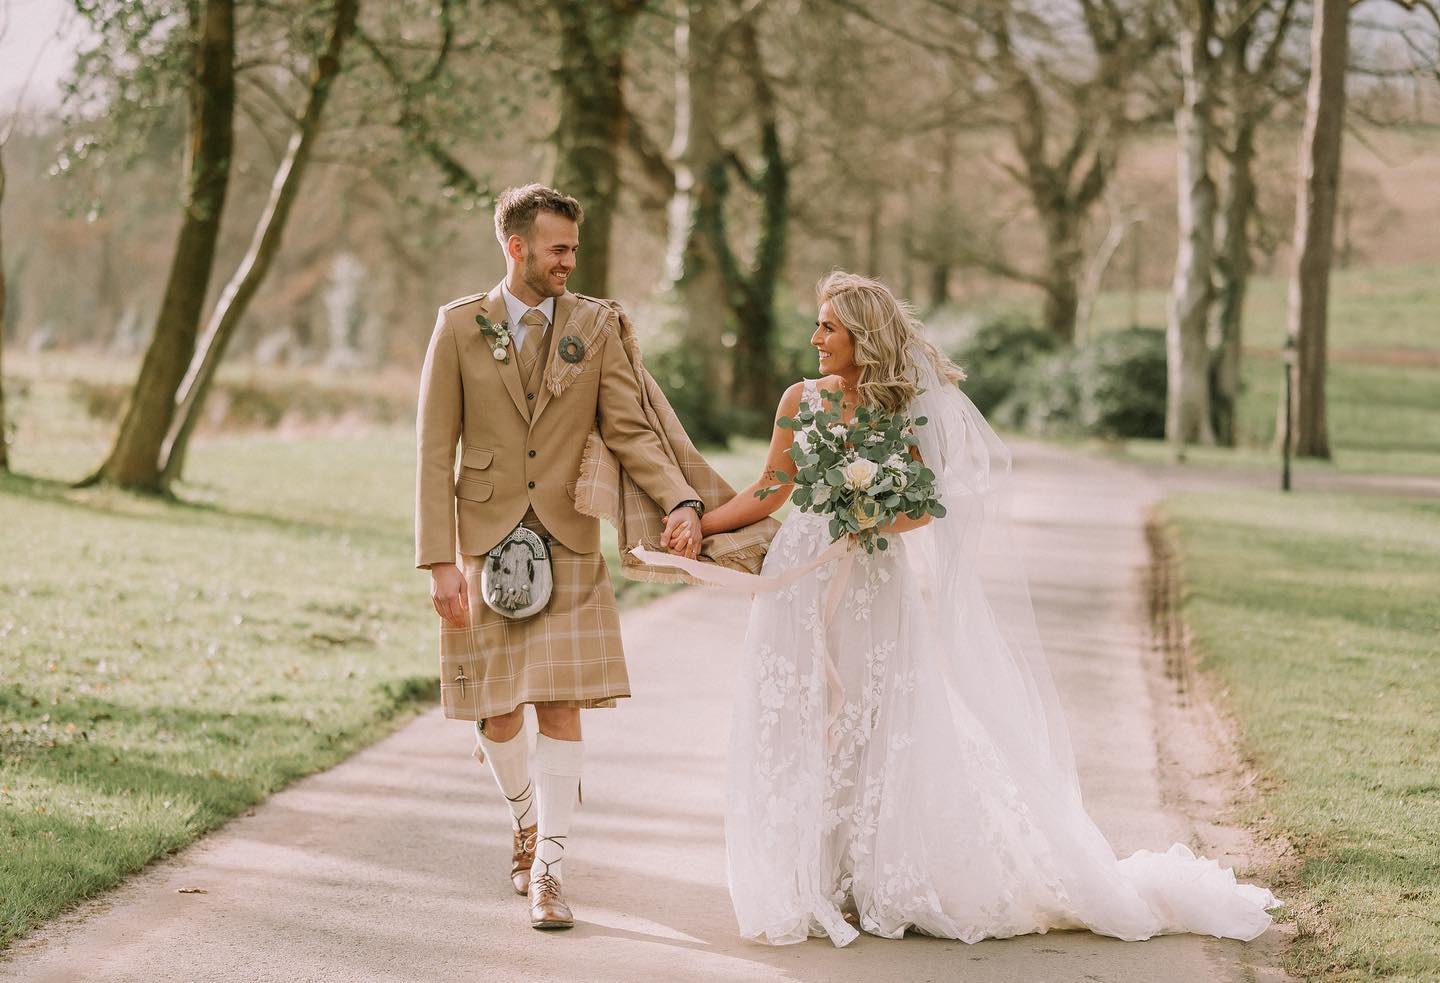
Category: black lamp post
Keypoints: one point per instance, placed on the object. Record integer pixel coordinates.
(1288, 358)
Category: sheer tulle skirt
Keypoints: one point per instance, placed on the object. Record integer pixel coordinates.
(932, 802)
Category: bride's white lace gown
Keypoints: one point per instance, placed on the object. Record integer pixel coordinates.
(943, 798)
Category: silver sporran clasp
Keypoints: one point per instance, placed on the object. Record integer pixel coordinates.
(516, 580)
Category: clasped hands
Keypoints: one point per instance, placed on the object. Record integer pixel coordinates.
(682, 533)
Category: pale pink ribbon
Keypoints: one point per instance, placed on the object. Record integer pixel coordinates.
(754, 583)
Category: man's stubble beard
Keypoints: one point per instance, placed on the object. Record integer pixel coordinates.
(537, 280)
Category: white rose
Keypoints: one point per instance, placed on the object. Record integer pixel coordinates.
(838, 430)
(859, 473)
(821, 495)
(895, 461)
(499, 353)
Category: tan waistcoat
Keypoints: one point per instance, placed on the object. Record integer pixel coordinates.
(520, 446)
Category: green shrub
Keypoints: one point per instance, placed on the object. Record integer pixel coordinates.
(1111, 386)
(1121, 379)
(997, 355)
(1044, 399)
(679, 370)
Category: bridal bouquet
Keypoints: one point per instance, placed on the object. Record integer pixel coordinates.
(861, 474)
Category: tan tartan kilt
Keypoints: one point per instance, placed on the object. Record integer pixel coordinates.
(568, 655)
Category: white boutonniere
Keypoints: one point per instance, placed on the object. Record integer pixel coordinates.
(499, 335)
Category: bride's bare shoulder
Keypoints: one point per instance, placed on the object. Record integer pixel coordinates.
(790, 400)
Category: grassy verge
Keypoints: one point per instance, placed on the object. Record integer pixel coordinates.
(1318, 615)
(164, 666)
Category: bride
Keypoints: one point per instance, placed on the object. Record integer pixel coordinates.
(899, 759)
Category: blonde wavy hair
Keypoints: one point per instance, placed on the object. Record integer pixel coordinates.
(882, 328)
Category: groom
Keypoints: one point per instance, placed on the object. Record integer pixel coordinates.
(518, 378)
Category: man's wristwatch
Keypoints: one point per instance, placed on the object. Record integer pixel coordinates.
(694, 503)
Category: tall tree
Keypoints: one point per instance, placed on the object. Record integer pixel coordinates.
(4, 433)
(1065, 117)
(5, 133)
(751, 287)
(692, 265)
(264, 244)
(1187, 411)
(590, 133)
(134, 461)
(945, 180)
(414, 94)
(1319, 187)
(724, 291)
(1250, 60)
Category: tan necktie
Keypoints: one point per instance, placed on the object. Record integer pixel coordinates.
(534, 322)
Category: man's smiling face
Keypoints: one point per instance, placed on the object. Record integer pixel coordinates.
(549, 254)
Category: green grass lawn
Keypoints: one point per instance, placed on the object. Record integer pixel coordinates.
(163, 666)
(1318, 615)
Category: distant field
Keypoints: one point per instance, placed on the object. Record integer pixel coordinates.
(1393, 307)
(1383, 387)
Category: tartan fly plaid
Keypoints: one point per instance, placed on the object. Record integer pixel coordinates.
(606, 491)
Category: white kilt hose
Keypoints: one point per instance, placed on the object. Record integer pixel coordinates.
(568, 655)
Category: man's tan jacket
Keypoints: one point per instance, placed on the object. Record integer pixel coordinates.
(520, 446)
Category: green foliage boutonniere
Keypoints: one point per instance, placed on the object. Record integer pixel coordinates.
(499, 335)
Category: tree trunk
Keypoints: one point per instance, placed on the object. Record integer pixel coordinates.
(1187, 411)
(1062, 272)
(873, 244)
(907, 258)
(691, 263)
(264, 245)
(4, 432)
(134, 461)
(1095, 273)
(940, 271)
(1232, 267)
(753, 294)
(591, 128)
(1315, 223)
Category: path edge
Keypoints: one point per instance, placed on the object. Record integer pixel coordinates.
(1205, 777)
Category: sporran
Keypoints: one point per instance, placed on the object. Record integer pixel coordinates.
(516, 580)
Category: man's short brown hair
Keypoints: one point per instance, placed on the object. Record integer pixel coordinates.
(516, 208)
